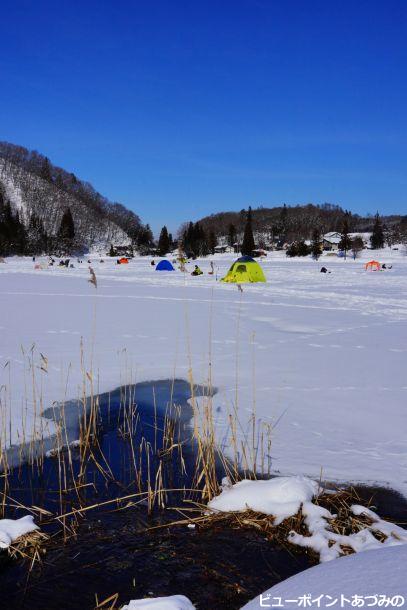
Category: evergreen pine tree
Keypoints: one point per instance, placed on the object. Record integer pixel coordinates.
(377, 237)
(283, 219)
(194, 239)
(316, 247)
(212, 242)
(248, 239)
(303, 249)
(66, 233)
(201, 247)
(67, 227)
(13, 236)
(345, 243)
(188, 239)
(145, 238)
(232, 235)
(163, 242)
(45, 171)
(59, 183)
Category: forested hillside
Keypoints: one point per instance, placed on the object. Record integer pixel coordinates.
(36, 194)
(291, 222)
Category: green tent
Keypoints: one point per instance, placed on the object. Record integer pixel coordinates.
(245, 269)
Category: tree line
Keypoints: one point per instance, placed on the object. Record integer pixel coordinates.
(288, 224)
(16, 238)
(348, 243)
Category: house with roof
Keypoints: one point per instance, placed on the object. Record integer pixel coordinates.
(330, 241)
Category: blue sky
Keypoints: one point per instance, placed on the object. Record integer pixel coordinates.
(183, 108)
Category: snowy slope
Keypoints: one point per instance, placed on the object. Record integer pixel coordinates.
(30, 194)
(321, 357)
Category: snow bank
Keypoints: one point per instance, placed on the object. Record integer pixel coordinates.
(11, 529)
(367, 579)
(281, 497)
(174, 602)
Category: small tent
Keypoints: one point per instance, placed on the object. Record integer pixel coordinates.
(164, 265)
(245, 269)
(123, 261)
(372, 266)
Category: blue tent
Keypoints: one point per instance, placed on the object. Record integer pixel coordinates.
(164, 266)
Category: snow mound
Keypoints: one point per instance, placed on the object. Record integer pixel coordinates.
(366, 579)
(174, 602)
(329, 545)
(281, 496)
(11, 529)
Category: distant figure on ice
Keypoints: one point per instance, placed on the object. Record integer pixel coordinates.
(324, 270)
(212, 271)
(197, 271)
(152, 263)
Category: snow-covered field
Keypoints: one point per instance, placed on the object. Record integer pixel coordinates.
(321, 357)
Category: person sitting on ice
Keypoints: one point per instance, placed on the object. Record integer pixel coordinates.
(152, 263)
(324, 270)
(197, 271)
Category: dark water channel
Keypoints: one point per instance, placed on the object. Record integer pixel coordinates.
(117, 551)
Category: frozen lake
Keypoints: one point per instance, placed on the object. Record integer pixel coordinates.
(321, 358)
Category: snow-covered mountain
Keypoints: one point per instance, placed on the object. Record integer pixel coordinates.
(34, 187)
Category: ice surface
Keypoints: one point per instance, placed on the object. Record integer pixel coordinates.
(321, 357)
